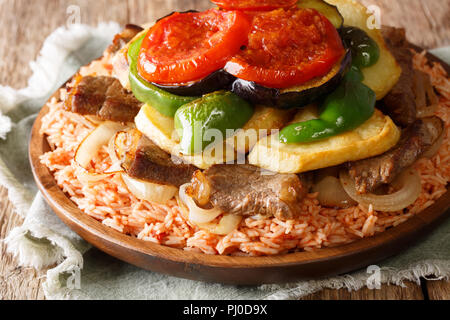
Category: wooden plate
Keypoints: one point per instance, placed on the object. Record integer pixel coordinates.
(225, 269)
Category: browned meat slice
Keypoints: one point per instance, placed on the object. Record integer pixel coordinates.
(369, 174)
(103, 97)
(144, 160)
(246, 190)
(400, 103)
(121, 39)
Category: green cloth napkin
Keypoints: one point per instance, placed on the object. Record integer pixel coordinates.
(83, 272)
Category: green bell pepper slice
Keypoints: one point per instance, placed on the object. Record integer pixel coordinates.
(349, 106)
(210, 119)
(365, 51)
(163, 101)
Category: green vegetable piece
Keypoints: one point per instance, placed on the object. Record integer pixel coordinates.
(365, 50)
(163, 101)
(355, 73)
(211, 119)
(352, 104)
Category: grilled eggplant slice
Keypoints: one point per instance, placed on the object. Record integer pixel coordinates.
(297, 96)
(218, 80)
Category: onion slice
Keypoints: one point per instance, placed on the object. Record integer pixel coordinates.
(112, 149)
(196, 214)
(409, 188)
(152, 192)
(89, 148)
(434, 149)
(94, 119)
(426, 111)
(332, 194)
(426, 98)
(226, 225)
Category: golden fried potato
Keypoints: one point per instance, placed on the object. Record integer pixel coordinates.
(374, 137)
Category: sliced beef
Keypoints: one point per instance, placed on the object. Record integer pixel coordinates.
(247, 190)
(121, 39)
(400, 103)
(103, 97)
(142, 159)
(369, 174)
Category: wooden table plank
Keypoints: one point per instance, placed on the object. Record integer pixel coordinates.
(142, 11)
(24, 31)
(438, 290)
(15, 282)
(427, 22)
(411, 291)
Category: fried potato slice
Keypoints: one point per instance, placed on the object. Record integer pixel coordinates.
(382, 76)
(376, 136)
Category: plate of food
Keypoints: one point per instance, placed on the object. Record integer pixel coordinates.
(256, 142)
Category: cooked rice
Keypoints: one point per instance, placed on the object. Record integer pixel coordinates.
(110, 202)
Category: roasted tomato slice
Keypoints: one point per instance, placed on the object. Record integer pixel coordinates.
(287, 48)
(254, 5)
(185, 47)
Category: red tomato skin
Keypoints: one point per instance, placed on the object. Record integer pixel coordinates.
(285, 76)
(206, 47)
(254, 5)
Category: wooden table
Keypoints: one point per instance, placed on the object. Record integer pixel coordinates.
(25, 24)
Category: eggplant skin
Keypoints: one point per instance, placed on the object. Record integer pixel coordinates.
(295, 97)
(218, 80)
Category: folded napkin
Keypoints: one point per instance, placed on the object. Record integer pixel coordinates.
(78, 271)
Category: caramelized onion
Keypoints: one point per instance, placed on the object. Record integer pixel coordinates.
(196, 214)
(426, 98)
(152, 192)
(407, 184)
(426, 111)
(200, 188)
(434, 149)
(332, 194)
